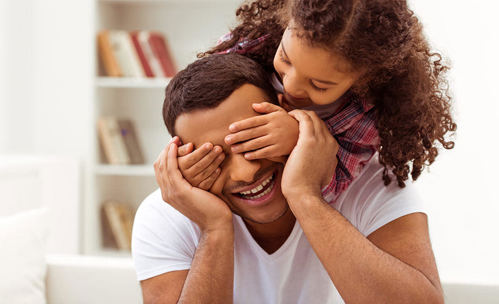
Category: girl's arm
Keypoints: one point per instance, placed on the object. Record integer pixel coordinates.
(395, 264)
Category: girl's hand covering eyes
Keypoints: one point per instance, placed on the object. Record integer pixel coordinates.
(272, 134)
(201, 166)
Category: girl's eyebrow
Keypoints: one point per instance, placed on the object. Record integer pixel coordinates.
(318, 80)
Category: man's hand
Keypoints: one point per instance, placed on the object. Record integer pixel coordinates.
(270, 135)
(311, 165)
(201, 166)
(200, 206)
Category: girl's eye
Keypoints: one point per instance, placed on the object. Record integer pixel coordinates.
(281, 56)
(317, 88)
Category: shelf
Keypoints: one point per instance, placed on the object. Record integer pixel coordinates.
(125, 170)
(124, 82)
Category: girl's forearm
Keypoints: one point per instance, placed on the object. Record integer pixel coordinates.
(360, 271)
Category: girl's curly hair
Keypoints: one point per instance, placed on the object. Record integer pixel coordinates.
(402, 76)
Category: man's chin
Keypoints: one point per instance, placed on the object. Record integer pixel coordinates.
(265, 221)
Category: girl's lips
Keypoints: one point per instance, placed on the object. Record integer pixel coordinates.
(294, 103)
(293, 97)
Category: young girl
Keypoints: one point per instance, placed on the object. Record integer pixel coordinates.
(363, 66)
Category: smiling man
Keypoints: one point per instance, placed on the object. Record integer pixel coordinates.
(263, 233)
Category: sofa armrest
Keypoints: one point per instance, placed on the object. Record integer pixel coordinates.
(88, 279)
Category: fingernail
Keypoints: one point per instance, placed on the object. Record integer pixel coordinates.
(232, 128)
(217, 149)
(228, 138)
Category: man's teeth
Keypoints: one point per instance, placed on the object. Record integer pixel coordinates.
(259, 188)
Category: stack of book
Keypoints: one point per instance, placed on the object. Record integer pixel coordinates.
(119, 141)
(117, 223)
(135, 54)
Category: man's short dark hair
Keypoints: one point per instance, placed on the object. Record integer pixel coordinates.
(205, 83)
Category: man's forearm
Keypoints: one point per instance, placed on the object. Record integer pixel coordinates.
(361, 272)
(211, 277)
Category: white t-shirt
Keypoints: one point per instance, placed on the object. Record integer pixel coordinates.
(164, 240)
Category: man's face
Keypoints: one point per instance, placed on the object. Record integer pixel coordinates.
(252, 189)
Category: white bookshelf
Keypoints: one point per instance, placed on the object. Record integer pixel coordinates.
(125, 82)
(190, 27)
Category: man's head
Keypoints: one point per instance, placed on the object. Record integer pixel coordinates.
(207, 82)
(201, 102)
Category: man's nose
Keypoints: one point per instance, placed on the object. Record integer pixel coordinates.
(242, 169)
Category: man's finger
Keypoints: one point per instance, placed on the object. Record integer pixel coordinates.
(305, 123)
(171, 163)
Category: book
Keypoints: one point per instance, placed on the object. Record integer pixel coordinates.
(141, 54)
(135, 54)
(161, 50)
(124, 51)
(143, 39)
(132, 145)
(106, 55)
(118, 223)
(112, 141)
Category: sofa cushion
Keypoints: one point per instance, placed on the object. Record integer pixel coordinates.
(22, 258)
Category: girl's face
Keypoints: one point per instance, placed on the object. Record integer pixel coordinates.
(310, 75)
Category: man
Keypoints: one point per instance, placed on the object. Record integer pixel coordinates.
(262, 233)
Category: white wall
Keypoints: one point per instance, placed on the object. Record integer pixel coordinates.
(44, 96)
(461, 190)
(16, 76)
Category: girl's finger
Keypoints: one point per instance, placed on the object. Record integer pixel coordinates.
(205, 162)
(209, 170)
(247, 123)
(266, 107)
(245, 135)
(267, 152)
(254, 144)
(208, 182)
(194, 157)
(185, 149)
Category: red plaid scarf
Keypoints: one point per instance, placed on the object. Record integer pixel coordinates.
(352, 125)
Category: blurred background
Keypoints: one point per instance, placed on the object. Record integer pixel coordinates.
(81, 89)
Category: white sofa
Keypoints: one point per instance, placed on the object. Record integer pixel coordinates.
(32, 182)
(88, 279)
(29, 183)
